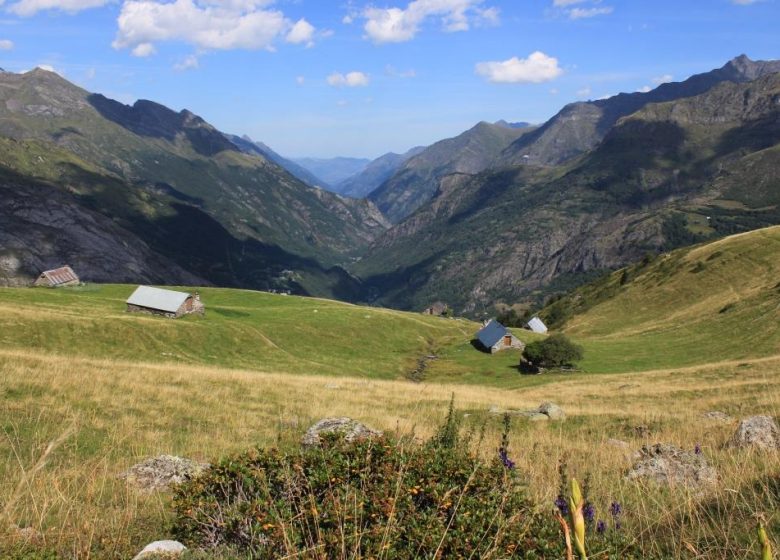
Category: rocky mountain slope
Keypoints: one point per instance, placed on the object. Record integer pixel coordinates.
(171, 178)
(417, 181)
(246, 144)
(668, 175)
(579, 127)
(375, 173)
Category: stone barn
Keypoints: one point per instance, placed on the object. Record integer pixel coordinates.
(438, 309)
(167, 303)
(537, 325)
(57, 278)
(495, 337)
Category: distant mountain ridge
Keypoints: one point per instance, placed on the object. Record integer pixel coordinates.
(247, 145)
(332, 171)
(377, 172)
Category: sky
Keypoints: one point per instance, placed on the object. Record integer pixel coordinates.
(322, 78)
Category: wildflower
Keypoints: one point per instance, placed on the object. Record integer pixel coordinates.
(504, 456)
(589, 512)
(615, 509)
(601, 527)
(562, 505)
(697, 449)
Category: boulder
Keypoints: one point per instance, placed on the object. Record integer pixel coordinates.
(666, 464)
(161, 549)
(160, 473)
(552, 411)
(351, 430)
(757, 432)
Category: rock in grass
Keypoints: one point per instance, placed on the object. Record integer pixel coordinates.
(666, 464)
(160, 473)
(351, 430)
(757, 432)
(552, 411)
(161, 549)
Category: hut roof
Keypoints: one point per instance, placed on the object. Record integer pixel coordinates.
(61, 275)
(491, 333)
(156, 298)
(537, 325)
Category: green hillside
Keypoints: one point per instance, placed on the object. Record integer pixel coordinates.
(710, 303)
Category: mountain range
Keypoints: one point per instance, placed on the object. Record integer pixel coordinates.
(504, 212)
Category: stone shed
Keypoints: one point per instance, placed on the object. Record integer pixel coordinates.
(495, 337)
(57, 278)
(167, 303)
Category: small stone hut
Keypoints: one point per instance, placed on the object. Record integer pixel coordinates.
(496, 337)
(57, 278)
(438, 309)
(167, 303)
(537, 325)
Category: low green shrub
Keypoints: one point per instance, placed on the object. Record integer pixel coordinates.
(554, 351)
(387, 497)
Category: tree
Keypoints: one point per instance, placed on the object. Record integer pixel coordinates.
(554, 351)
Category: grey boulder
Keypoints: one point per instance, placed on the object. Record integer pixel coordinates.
(350, 429)
(757, 432)
(160, 473)
(163, 549)
(669, 465)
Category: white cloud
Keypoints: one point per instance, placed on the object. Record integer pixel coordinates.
(644, 89)
(564, 3)
(207, 24)
(537, 68)
(582, 13)
(396, 25)
(301, 32)
(745, 2)
(391, 71)
(662, 79)
(6, 45)
(351, 79)
(300, 80)
(144, 49)
(50, 68)
(27, 8)
(584, 92)
(90, 73)
(191, 62)
(554, 91)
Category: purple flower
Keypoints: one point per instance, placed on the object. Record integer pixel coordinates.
(601, 527)
(697, 449)
(615, 509)
(562, 506)
(589, 512)
(508, 463)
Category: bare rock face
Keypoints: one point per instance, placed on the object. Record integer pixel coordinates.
(160, 473)
(161, 549)
(352, 430)
(757, 432)
(669, 465)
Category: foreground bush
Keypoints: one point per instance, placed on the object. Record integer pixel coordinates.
(386, 497)
(554, 351)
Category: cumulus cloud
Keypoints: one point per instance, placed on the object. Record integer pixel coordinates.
(300, 80)
(582, 13)
(396, 25)
(6, 45)
(191, 62)
(537, 68)
(27, 8)
(662, 79)
(584, 92)
(350, 79)
(143, 50)
(207, 24)
(645, 89)
(301, 32)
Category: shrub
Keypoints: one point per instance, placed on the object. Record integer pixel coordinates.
(554, 351)
(387, 497)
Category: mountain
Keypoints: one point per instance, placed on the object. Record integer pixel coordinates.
(506, 124)
(375, 173)
(249, 146)
(670, 174)
(179, 186)
(579, 127)
(690, 302)
(333, 171)
(417, 181)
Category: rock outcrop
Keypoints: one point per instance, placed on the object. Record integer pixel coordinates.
(350, 429)
(160, 473)
(757, 432)
(669, 465)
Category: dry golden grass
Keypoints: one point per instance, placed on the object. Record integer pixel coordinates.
(72, 424)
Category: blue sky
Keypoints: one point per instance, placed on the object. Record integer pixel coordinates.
(357, 78)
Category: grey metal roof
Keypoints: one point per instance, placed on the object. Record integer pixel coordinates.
(157, 298)
(537, 325)
(492, 333)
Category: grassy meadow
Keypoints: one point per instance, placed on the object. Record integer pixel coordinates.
(88, 390)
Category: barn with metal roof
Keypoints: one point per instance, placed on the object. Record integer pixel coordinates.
(169, 303)
(495, 337)
(537, 325)
(57, 278)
